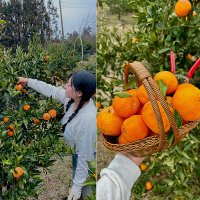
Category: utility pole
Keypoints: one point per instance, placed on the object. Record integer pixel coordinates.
(61, 20)
(21, 28)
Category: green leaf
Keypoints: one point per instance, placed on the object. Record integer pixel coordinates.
(89, 183)
(130, 84)
(4, 133)
(19, 158)
(152, 164)
(25, 123)
(178, 119)
(122, 94)
(7, 162)
(185, 155)
(181, 175)
(170, 137)
(163, 50)
(169, 182)
(162, 87)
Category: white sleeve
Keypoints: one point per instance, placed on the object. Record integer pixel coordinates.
(117, 179)
(85, 140)
(48, 90)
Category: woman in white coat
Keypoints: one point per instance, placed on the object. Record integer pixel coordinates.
(79, 122)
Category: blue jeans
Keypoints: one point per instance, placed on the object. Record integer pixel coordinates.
(86, 190)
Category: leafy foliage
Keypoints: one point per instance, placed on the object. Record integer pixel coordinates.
(33, 145)
(158, 30)
(27, 19)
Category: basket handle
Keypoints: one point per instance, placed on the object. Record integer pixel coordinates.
(145, 78)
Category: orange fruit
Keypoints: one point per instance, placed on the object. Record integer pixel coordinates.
(142, 95)
(108, 122)
(148, 185)
(150, 119)
(18, 172)
(191, 57)
(11, 127)
(5, 119)
(186, 101)
(133, 129)
(143, 167)
(125, 107)
(53, 113)
(36, 121)
(98, 105)
(10, 133)
(46, 58)
(24, 91)
(46, 116)
(169, 79)
(134, 39)
(18, 87)
(182, 8)
(26, 107)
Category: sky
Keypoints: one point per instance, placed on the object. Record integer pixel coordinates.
(75, 13)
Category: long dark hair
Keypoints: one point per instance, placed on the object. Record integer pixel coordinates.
(85, 82)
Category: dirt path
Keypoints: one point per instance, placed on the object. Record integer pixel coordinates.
(58, 181)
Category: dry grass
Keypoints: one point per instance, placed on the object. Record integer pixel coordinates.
(58, 180)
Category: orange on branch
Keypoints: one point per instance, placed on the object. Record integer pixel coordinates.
(53, 113)
(143, 167)
(18, 172)
(18, 87)
(11, 127)
(36, 121)
(182, 8)
(10, 133)
(148, 185)
(26, 107)
(46, 116)
(5, 119)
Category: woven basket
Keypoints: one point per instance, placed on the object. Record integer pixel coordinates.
(156, 143)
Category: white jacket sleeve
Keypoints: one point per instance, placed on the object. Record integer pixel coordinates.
(117, 179)
(48, 90)
(85, 146)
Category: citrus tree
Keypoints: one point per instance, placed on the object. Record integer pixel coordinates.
(29, 123)
(156, 30)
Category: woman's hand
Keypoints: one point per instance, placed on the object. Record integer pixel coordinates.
(136, 160)
(23, 81)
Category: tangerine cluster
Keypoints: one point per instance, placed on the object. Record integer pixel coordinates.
(132, 117)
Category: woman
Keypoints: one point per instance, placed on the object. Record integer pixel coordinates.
(79, 122)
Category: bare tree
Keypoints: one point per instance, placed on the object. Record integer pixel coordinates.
(88, 21)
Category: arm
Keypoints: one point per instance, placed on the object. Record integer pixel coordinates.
(117, 179)
(48, 90)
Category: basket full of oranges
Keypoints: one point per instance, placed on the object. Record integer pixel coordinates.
(156, 115)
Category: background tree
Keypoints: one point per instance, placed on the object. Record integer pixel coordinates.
(27, 19)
